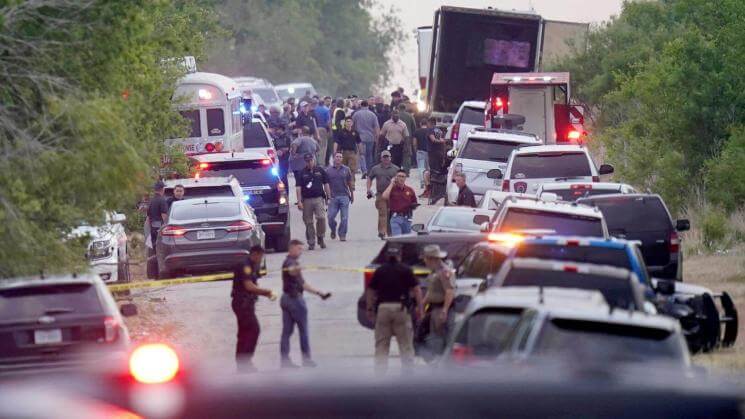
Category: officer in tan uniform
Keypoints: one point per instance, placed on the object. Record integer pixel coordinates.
(439, 297)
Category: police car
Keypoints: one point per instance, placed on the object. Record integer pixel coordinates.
(557, 217)
(107, 251)
(571, 191)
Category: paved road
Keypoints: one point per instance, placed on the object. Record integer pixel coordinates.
(203, 324)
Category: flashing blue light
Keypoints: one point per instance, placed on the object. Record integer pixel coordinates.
(246, 198)
(243, 108)
(275, 171)
(254, 108)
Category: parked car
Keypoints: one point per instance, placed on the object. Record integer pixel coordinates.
(644, 217)
(296, 90)
(59, 323)
(529, 167)
(481, 151)
(571, 191)
(469, 116)
(261, 87)
(256, 138)
(108, 250)
(207, 235)
(557, 218)
(262, 188)
(455, 219)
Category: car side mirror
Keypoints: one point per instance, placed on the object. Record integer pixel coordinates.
(451, 153)
(485, 227)
(480, 219)
(494, 174)
(683, 225)
(118, 218)
(417, 228)
(128, 310)
(665, 287)
(606, 169)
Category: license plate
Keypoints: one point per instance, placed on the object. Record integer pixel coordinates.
(47, 336)
(205, 234)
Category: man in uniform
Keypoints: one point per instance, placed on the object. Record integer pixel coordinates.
(395, 132)
(294, 310)
(244, 295)
(401, 203)
(157, 211)
(465, 196)
(348, 143)
(439, 297)
(312, 187)
(392, 286)
(341, 184)
(383, 173)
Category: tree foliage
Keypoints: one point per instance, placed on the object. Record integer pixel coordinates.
(84, 109)
(335, 44)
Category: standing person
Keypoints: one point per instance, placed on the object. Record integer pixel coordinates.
(288, 113)
(391, 289)
(349, 144)
(435, 146)
(465, 196)
(301, 146)
(439, 297)
(244, 295)
(312, 187)
(337, 117)
(401, 204)
(157, 211)
(395, 132)
(306, 119)
(367, 126)
(421, 139)
(383, 173)
(178, 194)
(294, 310)
(322, 117)
(408, 150)
(341, 184)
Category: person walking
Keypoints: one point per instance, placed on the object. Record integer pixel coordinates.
(294, 310)
(338, 114)
(157, 211)
(389, 295)
(341, 184)
(421, 139)
(348, 143)
(367, 126)
(408, 150)
(401, 204)
(382, 173)
(395, 132)
(439, 297)
(312, 188)
(302, 145)
(465, 196)
(244, 295)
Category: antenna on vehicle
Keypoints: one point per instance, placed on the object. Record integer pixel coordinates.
(540, 294)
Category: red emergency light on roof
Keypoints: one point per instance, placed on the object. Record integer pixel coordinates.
(204, 166)
(573, 135)
(570, 268)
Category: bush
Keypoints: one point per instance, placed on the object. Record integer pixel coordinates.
(725, 173)
(714, 226)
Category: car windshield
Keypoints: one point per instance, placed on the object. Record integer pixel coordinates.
(617, 291)
(472, 116)
(457, 220)
(573, 194)
(204, 191)
(581, 339)
(488, 150)
(248, 172)
(584, 254)
(562, 224)
(254, 136)
(215, 122)
(551, 165)
(634, 214)
(267, 94)
(485, 332)
(57, 299)
(188, 210)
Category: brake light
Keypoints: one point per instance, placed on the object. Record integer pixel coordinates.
(521, 187)
(204, 166)
(455, 131)
(572, 243)
(576, 186)
(153, 364)
(368, 274)
(674, 242)
(266, 162)
(570, 268)
(174, 231)
(240, 226)
(111, 329)
(272, 155)
(461, 353)
(573, 135)
(209, 147)
(505, 185)
(496, 104)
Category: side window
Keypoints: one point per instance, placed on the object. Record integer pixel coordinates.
(467, 261)
(215, 122)
(497, 259)
(480, 265)
(235, 112)
(523, 333)
(642, 265)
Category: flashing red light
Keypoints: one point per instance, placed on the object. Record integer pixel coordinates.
(240, 226)
(173, 231)
(272, 154)
(505, 185)
(153, 364)
(572, 243)
(674, 242)
(368, 274)
(204, 166)
(574, 135)
(266, 162)
(496, 104)
(209, 147)
(571, 268)
(580, 186)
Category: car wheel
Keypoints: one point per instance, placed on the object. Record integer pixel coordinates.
(152, 267)
(164, 273)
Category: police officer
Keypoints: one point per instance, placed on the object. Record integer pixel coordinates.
(390, 291)
(440, 295)
(312, 187)
(244, 295)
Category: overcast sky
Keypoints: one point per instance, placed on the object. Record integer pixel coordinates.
(415, 13)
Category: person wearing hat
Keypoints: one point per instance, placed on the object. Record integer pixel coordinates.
(383, 173)
(313, 191)
(157, 211)
(388, 295)
(439, 297)
(244, 295)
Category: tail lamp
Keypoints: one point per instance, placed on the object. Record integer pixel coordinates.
(173, 231)
(153, 364)
(240, 226)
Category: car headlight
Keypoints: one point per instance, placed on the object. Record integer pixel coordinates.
(100, 249)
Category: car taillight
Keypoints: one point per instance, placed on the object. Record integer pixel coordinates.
(521, 187)
(209, 147)
(240, 226)
(455, 131)
(570, 268)
(505, 185)
(171, 230)
(368, 274)
(573, 135)
(461, 353)
(111, 329)
(204, 166)
(272, 154)
(674, 242)
(153, 364)
(496, 104)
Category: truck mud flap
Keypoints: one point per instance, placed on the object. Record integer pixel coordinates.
(728, 319)
(710, 322)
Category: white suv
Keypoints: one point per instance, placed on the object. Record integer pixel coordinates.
(483, 150)
(469, 116)
(107, 251)
(529, 167)
(560, 218)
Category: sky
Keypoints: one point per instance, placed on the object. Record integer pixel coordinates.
(415, 13)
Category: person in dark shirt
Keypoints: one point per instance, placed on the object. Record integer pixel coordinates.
(294, 310)
(312, 187)
(244, 295)
(347, 142)
(465, 196)
(157, 211)
(435, 147)
(389, 293)
(178, 194)
(421, 140)
(306, 119)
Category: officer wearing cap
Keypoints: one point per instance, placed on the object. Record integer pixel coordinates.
(157, 211)
(312, 187)
(244, 295)
(440, 295)
(389, 294)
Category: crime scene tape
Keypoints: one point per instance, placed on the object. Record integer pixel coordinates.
(229, 276)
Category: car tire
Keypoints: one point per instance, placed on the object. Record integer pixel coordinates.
(152, 267)
(164, 273)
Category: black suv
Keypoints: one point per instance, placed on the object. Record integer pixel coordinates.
(644, 217)
(264, 191)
